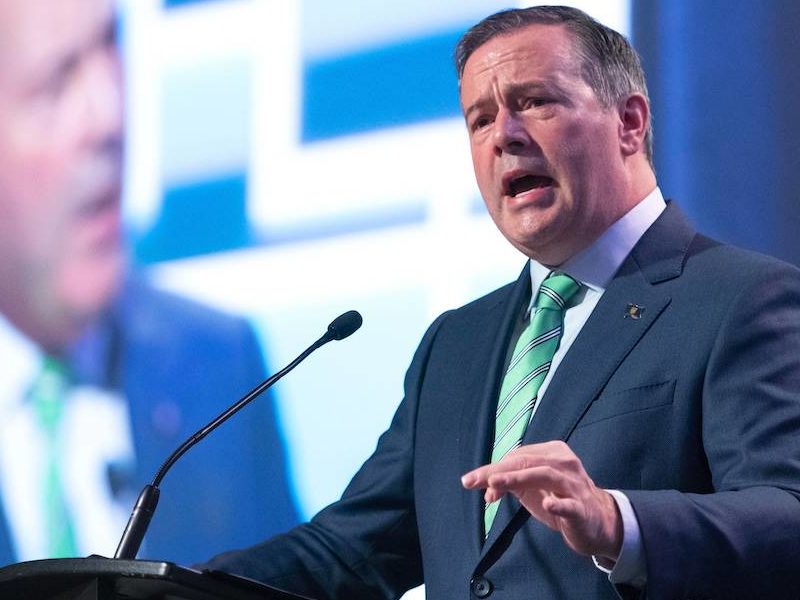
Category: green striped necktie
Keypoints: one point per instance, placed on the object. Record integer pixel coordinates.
(529, 365)
(48, 395)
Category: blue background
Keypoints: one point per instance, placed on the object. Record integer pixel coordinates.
(725, 91)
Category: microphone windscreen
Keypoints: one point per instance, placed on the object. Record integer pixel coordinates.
(345, 325)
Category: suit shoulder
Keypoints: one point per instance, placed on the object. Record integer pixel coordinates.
(474, 311)
(734, 263)
(488, 301)
(145, 307)
(473, 318)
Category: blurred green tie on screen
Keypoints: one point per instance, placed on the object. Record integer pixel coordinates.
(48, 395)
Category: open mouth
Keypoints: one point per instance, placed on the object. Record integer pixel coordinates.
(526, 183)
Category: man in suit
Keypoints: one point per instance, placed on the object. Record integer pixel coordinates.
(136, 370)
(658, 410)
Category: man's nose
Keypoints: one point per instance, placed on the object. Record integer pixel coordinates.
(103, 93)
(510, 134)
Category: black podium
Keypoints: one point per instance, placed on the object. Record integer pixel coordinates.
(96, 578)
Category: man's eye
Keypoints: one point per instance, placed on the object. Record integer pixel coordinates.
(481, 122)
(535, 101)
(55, 84)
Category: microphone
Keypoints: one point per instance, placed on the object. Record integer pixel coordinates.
(344, 325)
(341, 327)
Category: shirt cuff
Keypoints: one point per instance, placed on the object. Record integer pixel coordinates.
(630, 567)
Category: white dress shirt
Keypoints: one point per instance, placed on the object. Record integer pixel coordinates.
(94, 434)
(595, 267)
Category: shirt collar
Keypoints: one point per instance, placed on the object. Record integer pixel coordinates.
(21, 362)
(596, 265)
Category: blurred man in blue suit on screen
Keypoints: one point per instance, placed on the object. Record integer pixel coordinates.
(101, 376)
(634, 398)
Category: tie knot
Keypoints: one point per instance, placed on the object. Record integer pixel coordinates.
(556, 290)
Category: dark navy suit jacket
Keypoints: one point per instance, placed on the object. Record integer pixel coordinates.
(692, 409)
(179, 364)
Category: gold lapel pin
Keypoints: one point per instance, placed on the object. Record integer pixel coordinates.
(634, 311)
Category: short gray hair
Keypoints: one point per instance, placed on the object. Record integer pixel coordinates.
(609, 64)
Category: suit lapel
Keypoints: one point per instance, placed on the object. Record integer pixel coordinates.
(608, 336)
(489, 343)
(606, 339)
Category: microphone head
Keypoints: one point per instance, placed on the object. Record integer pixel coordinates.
(344, 325)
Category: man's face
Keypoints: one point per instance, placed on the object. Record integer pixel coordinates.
(546, 152)
(60, 162)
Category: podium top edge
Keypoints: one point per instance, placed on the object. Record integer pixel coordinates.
(91, 565)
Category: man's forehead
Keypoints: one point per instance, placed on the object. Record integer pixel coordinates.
(522, 48)
(537, 55)
(32, 30)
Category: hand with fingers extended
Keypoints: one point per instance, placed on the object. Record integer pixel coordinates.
(551, 483)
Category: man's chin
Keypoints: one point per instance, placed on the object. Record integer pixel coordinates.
(88, 287)
(542, 246)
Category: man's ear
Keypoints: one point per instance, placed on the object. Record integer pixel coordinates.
(634, 113)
